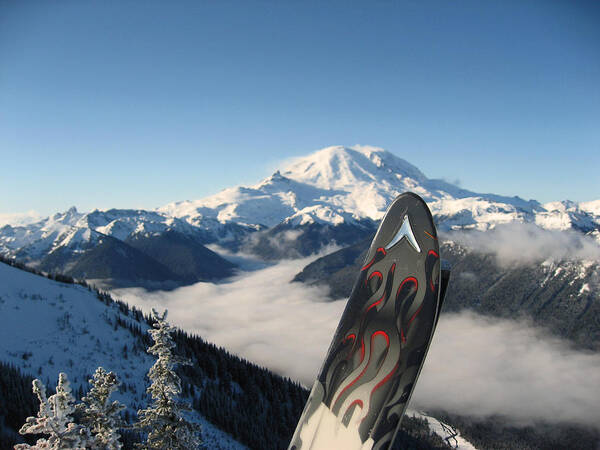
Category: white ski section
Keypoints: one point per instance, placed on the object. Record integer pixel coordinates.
(324, 431)
(448, 433)
(335, 185)
(49, 327)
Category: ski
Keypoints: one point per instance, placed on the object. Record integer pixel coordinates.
(378, 349)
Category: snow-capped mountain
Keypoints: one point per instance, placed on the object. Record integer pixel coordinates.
(334, 195)
(344, 184)
(333, 185)
(122, 247)
(75, 230)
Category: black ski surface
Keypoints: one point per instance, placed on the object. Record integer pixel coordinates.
(374, 360)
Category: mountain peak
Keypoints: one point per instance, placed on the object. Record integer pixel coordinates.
(340, 167)
(276, 177)
(67, 216)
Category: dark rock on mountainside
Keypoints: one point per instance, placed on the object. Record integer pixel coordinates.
(338, 269)
(187, 258)
(123, 265)
(61, 260)
(293, 241)
(560, 296)
(153, 261)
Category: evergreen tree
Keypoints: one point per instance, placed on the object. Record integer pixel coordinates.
(55, 419)
(100, 415)
(164, 420)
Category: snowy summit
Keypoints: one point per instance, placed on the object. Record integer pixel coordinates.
(341, 184)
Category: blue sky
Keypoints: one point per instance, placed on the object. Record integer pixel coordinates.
(139, 103)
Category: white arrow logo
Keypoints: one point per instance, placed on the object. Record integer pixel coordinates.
(405, 231)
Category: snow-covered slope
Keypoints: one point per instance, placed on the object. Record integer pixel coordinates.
(566, 214)
(448, 433)
(48, 327)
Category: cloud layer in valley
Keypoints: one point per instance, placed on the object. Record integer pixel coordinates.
(259, 315)
(524, 243)
(476, 366)
(482, 366)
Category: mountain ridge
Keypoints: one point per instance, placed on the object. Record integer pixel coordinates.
(360, 182)
(337, 189)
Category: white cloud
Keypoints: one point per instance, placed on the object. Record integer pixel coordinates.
(476, 366)
(259, 315)
(524, 243)
(19, 218)
(482, 366)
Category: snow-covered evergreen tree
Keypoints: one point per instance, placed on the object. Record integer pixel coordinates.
(99, 414)
(164, 420)
(55, 419)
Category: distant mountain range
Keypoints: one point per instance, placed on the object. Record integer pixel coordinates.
(117, 247)
(333, 196)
